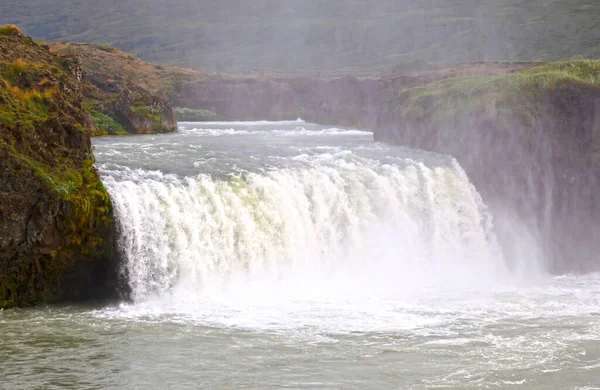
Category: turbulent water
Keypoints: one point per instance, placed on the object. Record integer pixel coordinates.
(286, 254)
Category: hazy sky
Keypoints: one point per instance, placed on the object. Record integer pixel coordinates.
(318, 34)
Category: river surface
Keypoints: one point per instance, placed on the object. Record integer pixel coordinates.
(291, 255)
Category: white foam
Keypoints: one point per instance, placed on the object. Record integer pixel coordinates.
(244, 123)
(299, 131)
(340, 236)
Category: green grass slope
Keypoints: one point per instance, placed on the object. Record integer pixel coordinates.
(319, 34)
(510, 96)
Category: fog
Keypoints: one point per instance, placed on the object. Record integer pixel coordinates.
(299, 35)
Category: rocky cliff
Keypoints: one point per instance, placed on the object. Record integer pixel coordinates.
(346, 100)
(331, 98)
(56, 225)
(120, 107)
(123, 94)
(530, 142)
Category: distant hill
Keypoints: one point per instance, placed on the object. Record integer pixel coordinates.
(231, 35)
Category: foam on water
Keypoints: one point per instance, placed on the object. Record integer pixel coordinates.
(298, 131)
(245, 123)
(327, 233)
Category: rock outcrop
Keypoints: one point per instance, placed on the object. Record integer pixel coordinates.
(121, 107)
(529, 141)
(124, 94)
(56, 223)
(346, 100)
(352, 100)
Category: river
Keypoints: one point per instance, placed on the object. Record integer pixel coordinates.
(293, 255)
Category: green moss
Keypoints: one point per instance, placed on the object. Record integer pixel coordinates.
(8, 294)
(160, 128)
(89, 211)
(511, 95)
(106, 125)
(195, 115)
(9, 29)
(144, 111)
(20, 108)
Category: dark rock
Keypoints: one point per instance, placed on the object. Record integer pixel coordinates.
(135, 109)
(56, 226)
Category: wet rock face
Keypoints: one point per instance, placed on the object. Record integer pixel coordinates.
(341, 101)
(134, 108)
(56, 225)
(543, 172)
(140, 111)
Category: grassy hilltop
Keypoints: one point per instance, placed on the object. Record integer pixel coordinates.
(512, 95)
(320, 34)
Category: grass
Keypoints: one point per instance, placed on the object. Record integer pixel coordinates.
(510, 95)
(192, 115)
(9, 29)
(106, 125)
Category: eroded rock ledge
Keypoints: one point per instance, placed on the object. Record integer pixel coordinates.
(56, 220)
(529, 141)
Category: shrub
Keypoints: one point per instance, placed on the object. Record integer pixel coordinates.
(106, 48)
(9, 29)
(106, 125)
(191, 115)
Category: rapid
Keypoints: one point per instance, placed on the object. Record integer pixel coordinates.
(289, 254)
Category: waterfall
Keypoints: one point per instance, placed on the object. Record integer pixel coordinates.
(354, 223)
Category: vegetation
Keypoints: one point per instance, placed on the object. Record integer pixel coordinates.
(226, 35)
(192, 115)
(116, 63)
(510, 96)
(106, 125)
(46, 171)
(9, 29)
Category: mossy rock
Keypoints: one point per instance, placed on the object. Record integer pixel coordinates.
(56, 223)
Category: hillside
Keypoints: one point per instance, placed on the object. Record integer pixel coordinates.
(225, 35)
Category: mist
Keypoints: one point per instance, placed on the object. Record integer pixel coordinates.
(297, 35)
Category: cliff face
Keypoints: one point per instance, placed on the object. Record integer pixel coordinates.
(56, 226)
(125, 95)
(530, 143)
(120, 107)
(353, 100)
(343, 101)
